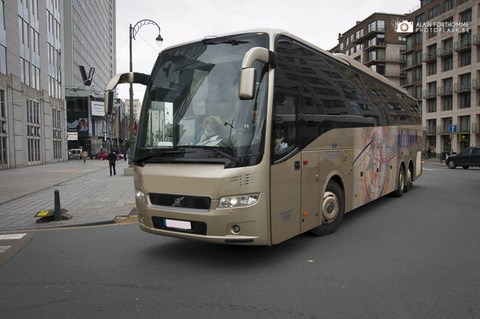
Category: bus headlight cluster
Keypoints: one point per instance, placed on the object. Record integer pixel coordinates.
(238, 201)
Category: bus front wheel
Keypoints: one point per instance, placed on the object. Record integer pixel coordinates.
(333, 210)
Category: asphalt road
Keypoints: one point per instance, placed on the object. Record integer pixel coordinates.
(411, 257)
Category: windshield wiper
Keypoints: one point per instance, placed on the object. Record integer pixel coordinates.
(147, 157)
(222, 153)
(214, 41)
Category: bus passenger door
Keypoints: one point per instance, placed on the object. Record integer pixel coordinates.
(310, 204)
(285, 199)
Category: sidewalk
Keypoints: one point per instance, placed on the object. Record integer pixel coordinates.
(87, 192)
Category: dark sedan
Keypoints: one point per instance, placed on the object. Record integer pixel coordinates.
(467, 158)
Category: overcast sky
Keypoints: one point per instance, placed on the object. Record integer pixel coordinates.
(316, 21)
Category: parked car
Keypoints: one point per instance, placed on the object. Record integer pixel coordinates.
(104, 156)
(101, 155)
(466, 158)
(74, 153)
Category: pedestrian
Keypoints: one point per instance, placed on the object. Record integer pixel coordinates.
(112, 160)
(84, 155)
(127, 153)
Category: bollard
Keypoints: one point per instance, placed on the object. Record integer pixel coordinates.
(57, 210)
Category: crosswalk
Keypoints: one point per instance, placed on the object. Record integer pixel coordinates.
(5, 237)
(8, 243)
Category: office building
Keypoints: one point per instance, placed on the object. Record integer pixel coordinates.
(89, 64)
(32, 109)
(55, 60)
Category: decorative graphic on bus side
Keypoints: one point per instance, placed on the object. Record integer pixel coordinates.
(372, 163)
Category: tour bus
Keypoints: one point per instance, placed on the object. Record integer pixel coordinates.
(255, 137)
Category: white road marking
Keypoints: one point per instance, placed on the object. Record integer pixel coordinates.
(12, 236)
(4, 249)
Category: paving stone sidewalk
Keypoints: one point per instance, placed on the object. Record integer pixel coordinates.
(87, 191)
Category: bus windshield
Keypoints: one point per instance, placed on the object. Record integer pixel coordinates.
(191, 110)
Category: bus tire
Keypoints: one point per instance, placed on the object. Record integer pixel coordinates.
(333, 210)
(400, 183)
(408, 180)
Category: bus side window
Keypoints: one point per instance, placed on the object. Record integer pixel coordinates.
(284, 125)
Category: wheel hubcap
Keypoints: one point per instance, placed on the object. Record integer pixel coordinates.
(330, 207)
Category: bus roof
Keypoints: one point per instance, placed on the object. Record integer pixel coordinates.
(340, 57)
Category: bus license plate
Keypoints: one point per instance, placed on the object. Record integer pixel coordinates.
(179, 224)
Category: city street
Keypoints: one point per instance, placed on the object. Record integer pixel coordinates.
(409, 257)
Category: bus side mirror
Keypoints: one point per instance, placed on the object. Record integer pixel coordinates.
(246, 89)
(108, 102)
(248, 78)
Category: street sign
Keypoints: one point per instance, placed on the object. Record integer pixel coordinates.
(452, 128)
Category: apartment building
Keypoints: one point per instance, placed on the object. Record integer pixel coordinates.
(443, 72)
(375, 43)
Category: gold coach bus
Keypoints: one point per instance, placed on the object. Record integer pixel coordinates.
(255, 137)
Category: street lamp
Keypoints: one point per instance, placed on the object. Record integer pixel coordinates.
(133, 32)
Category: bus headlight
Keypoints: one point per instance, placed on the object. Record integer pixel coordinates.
(140, 198)
(238, 201)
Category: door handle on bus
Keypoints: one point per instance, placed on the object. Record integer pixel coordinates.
(296, 165)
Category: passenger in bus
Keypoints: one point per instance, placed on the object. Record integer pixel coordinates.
(212, 132)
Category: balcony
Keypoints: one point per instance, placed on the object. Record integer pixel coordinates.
(464, 129)
(463, 87)
(370, 46)
(430, 57)
(374, 30)
(443, 129)
(430, 130)
(476, 39)
(476, 84)
(444, 91)
(429, 94)
(444, 52)
(374, 60)
(462, 46)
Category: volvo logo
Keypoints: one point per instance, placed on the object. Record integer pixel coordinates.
(178, 202)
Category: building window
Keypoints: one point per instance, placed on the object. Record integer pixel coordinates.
(432, 12)
(447, 86)
(464, 100)
(465, 58)
(418, 73)
(33, 130)
(418, 92)
(448, 5)
(378, 25)
(3, 131)
(57, 134)
(432, 68)
(431, 126)
(464, 124)
(418, 57)
(447, 103)
(446, 122)
(447, 63)
(432, 105)
(466, 16)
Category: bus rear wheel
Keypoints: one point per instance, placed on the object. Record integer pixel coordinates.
(400, 183)
(333, 210)
(408, 180)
